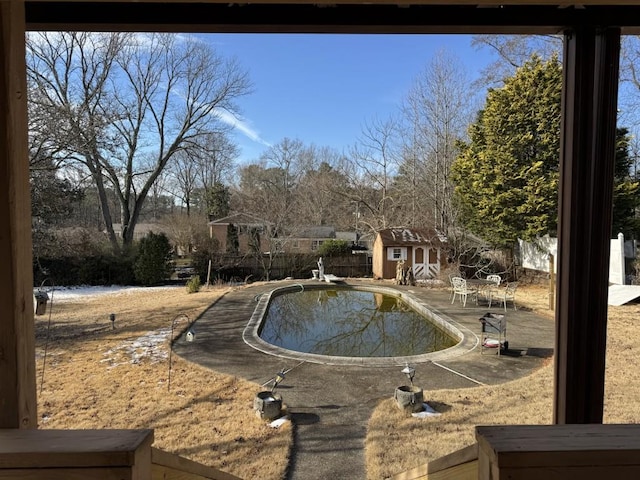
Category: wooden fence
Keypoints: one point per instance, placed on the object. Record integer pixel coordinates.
(237, 267)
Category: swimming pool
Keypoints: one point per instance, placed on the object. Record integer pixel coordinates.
(349, 325)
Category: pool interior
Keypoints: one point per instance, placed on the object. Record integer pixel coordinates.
(461, 341)
(351, 323)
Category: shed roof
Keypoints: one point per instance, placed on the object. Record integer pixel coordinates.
(411, 236)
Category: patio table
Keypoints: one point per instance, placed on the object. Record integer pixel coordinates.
(484, 285)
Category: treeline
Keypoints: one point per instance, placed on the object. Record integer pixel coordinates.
(479, 165)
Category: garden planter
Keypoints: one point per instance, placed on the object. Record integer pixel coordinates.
(409, 398)
(268, 405)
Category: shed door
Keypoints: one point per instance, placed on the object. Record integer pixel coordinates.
(420, 268)
(434, 262)
(426, 262)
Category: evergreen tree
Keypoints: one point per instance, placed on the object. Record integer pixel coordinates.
(153, 261)
(218, 199)
(506, 178)
(52, 202)
(626, 198)
(507, 175)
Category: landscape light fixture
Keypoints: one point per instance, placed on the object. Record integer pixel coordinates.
(173, 323)
(410, 372)
(279, 378)
(190, 335)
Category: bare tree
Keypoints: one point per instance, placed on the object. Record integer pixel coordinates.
(184, 231)
(285, 158)
(216, 156)
(201, 167)
(126, 104)
(161, 200)
(437, 110)
(319, 199)
(184, 174)
(513, 51)
(371, 169)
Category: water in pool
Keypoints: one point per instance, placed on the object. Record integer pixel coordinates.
(350, 323)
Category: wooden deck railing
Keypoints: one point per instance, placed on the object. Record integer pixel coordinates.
(167, 466)
(93, 455)
(459, 465)
(540, 452)
(534, 452)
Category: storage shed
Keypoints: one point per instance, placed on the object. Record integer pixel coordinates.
(419, 249)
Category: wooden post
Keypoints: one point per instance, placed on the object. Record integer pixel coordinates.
(75, 454)
(587, 148)
(17, 351)
(568, 452)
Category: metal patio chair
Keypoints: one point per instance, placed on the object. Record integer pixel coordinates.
(508, 294)
(491, 290)
(463, 291)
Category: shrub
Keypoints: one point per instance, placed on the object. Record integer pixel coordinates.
(153, 261)
(333, 248)
(84, 270)
(193, 285)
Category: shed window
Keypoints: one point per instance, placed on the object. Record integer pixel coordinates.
(396, 253)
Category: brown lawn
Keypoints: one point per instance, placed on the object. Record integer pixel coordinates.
(397, 442)
(99, 377)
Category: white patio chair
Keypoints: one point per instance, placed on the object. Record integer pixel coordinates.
(452, 288)
(490, 291)
(508, 294)
(461, 289)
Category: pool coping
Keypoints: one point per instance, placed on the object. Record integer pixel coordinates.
(467, 340)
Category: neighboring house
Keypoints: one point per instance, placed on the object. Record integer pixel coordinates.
(420, 249)
(366, 241)
(252, 233)
(309, 239)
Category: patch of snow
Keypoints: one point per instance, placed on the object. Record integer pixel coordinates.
(427, 411)
(62, 294)
(278, 422)
(150, 345)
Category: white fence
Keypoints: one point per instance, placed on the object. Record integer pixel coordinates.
(535, 255)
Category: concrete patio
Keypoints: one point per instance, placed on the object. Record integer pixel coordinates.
(330, 404)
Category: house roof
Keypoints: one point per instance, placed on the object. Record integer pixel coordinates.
(315, 232)
(239, 218)
(348, 236)
(410, 236)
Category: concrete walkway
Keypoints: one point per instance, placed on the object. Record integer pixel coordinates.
(330, 404)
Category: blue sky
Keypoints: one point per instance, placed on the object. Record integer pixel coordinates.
(322, 89)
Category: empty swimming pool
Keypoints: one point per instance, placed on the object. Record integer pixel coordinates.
(347, 323)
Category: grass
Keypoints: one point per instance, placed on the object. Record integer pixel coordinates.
(94, 378)
(99, 377)
(396, 442)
